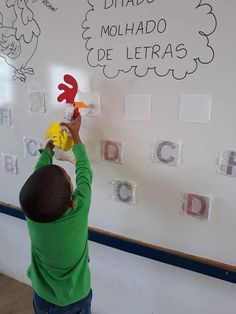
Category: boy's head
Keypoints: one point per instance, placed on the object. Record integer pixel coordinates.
(47, 194)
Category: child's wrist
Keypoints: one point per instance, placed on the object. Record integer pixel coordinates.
(50, 146)
(76, 138)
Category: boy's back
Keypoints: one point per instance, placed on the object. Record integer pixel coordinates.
(59, 270)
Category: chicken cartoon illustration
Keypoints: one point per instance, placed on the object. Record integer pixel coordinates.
(19, 40)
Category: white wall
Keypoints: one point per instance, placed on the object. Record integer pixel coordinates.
(15, 248)
(124, 283)
(155, 218)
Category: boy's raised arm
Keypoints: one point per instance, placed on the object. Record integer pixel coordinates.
(83, 169)
(46, 156)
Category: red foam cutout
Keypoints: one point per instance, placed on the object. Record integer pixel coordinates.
(70, 92)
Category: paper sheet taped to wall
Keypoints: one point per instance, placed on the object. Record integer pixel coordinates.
(9, 163)
(5, 117)
(124, 191)
(93, 100)
(113, 151)
(195, 205)
(37, 101)
(227, 163)
(167, 152)
(137, 107)
(31, 147)
(195, 108)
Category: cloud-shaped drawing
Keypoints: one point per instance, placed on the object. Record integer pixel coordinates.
(141, 35)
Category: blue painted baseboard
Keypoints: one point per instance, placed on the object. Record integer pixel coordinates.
(146, 251)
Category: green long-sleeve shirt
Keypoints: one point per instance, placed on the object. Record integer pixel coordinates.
(59, 268)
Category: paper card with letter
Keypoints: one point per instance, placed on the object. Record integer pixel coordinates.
(227, 163)
(113, 151)
(124, 191)
(31, 147)
(37, 101)
(195, 205)
(92, 99)
(167, 152)
(9, 163)
(5, 117)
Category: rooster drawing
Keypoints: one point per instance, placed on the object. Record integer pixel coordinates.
(19, 40)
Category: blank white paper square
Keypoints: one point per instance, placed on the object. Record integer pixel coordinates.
(195, 108)
(137, 107)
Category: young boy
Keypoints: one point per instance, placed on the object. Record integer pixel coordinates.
(57, 220)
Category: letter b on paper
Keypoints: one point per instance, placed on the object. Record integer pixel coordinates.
(9, 164)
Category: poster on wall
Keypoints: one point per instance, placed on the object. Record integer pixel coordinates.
(163, 36)
(19, 35)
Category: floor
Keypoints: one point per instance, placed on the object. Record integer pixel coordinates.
(15, 297)
(127, 284)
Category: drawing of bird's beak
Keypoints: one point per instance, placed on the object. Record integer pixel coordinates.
(1, 20)
(10, 3)
(22, 4)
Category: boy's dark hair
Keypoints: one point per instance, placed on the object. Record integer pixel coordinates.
(46, 195)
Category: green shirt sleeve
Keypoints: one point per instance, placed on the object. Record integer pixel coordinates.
(45, 158)
(84, 176)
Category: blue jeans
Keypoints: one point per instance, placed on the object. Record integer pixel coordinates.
(41, 306)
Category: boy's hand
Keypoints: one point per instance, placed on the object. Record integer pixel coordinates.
(50, 145)
(74, 127)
